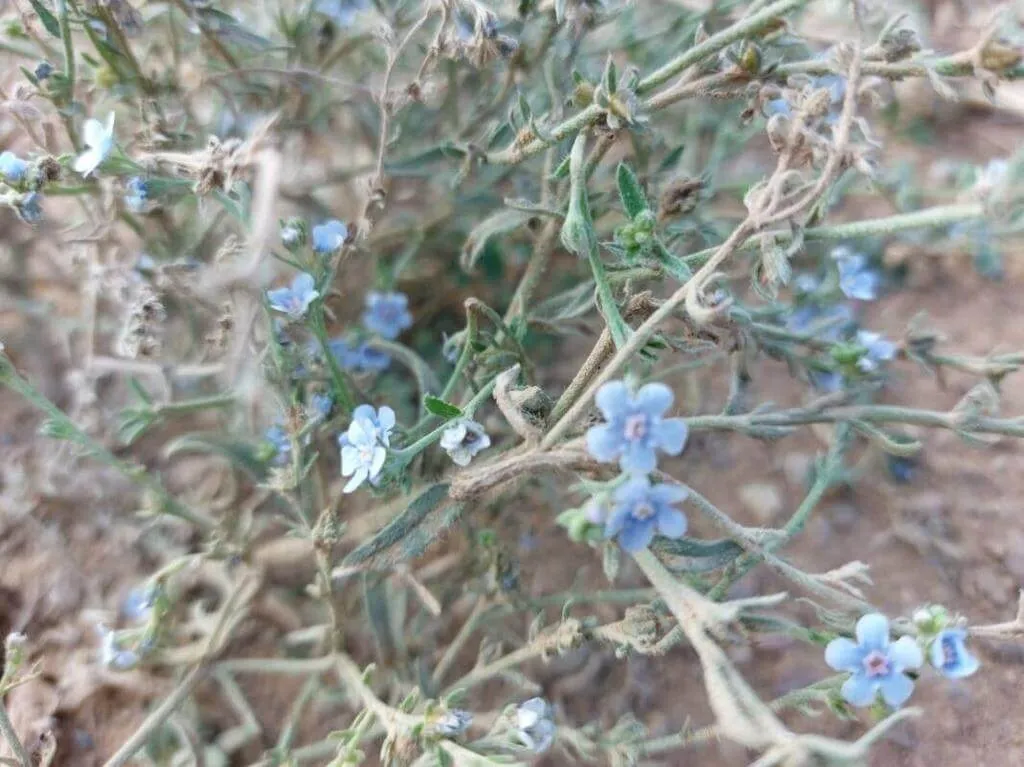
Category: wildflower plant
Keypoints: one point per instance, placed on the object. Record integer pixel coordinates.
(375, 235)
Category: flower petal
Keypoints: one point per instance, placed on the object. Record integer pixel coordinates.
(637, 535)
(86, 163)
(671, 523)
(844, 654)
(349, 460)
(357, 479)
(859, 690)
(653, 399)
(633, 491)
(905, 653)
(364, 413)
(379, 456)
(386, 418)
(616, 521)
(668, 494)
(896, 689)
(612, 399)
(303, 283)
(873, 631)
(604, 443)
(92, 132)
(638, 458)
(670, 435)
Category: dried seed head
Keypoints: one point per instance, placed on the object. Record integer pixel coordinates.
(680, 197)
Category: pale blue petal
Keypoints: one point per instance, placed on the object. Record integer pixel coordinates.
(386, 418)
(896, 689)
(357, 479)
(668, 494)
(379, 456)
(670, 435)
(844, 654)
(671, 523)
(278, 297)
(905, 653)
(967, 665)
(349, 460)
(303, 283)
(604, 443)
(364, 413)
(616, 521)
(92, 132)
(859, 690)
(612, 399)
(653, 399)
(637, 535)
(873, 631)
(638, 458)
(634, 491)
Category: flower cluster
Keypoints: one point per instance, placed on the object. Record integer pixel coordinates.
(880, 666)
(635, 430)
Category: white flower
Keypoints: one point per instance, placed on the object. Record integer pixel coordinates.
(535, 726)
(99, 139)
(463, 440)
(364, 445)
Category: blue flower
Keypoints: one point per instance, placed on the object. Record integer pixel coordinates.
(278, 437)
(295, 300)
(856, 279)
(826, 381)
(137, 195)
(12, 167)
(361, 358)
(640, 508)
(329, 236)
(341, 12)
(320, 406)
(111, 653)
(879, 350)
(387, 314)
(138, 604)
(635, 426)
(876, 664)
(364, 445)
(829, 323)
(535, 724)
(29, 208)
(463, 439)
(99, 139)
(949, 655)
(451, 723)
(43, 70)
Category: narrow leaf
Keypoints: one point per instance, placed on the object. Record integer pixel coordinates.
(46, 17)
(438, 406)
(633, 198)
(496, 224)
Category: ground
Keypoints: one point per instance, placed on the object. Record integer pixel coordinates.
(951, 534)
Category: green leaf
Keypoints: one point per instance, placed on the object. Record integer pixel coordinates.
(409, 534)
(438, 406)
(239, 453)
(693, 556)
(503, 221)
(633, 198)
(46, 17)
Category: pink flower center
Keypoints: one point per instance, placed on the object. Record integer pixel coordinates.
(876, 664)
(643, 511)
(635, 427)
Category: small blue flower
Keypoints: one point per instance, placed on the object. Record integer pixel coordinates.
(639, 509)
(451, 723)
(341, 12)
(949, 655)
(361, 358)
(463, 439)
(535, 724)
(99, 139)
(876, 664)
(856, 279)
(387, 314)
(295, 300)
(364, 445)
(901, 469)
(329, 236)
(320, 406)
(111, 653)
(829, 323)
(827, 381)
(636, 426)
(43, 70)
(278, 437)
(137, 194)
(12, 167)
(138, 604)
(879, 350)
(29, 208)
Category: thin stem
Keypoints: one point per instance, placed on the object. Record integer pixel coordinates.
(7, 730)
(465, 632)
